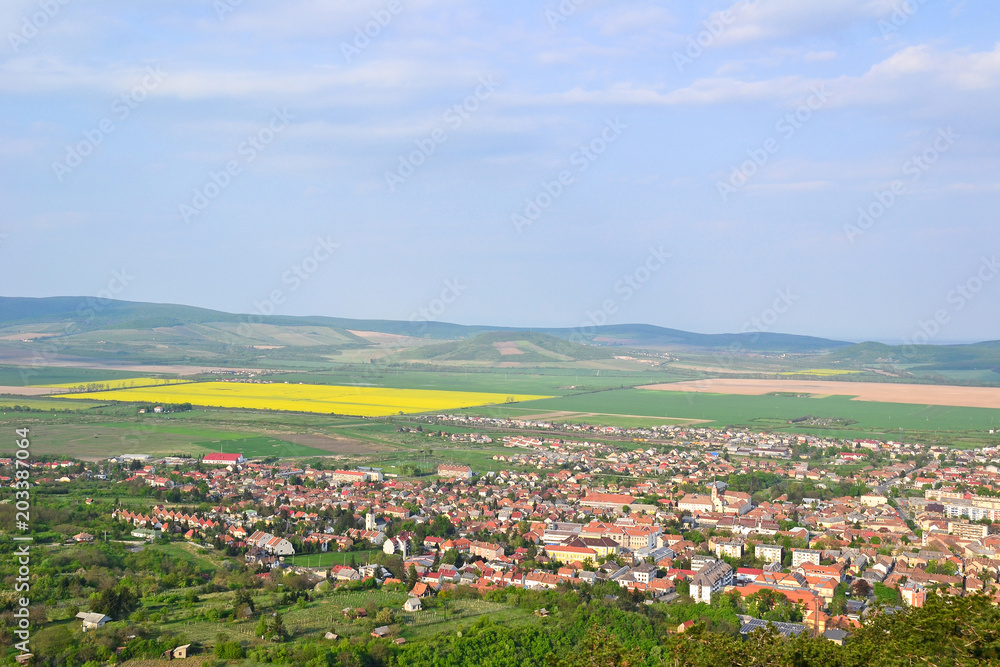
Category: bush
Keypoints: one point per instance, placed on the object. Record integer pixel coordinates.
(231, 650)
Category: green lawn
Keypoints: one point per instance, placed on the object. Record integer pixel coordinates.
(429, 622)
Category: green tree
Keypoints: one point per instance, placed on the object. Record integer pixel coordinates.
(278, 627)
(117, 601)
(887, 595)
(231, 650)
(861, 588)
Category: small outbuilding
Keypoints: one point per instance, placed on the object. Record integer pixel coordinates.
(92, 620)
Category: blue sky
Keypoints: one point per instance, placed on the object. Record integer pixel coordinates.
(702, 165)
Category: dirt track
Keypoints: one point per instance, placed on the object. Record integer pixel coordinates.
(919, 394)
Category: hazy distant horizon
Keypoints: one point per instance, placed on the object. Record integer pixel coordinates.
(537, 325)
(829, 169)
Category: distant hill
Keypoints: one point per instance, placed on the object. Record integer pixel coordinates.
(972, 356)
(647, 335)
(87, 314)
(512, 346)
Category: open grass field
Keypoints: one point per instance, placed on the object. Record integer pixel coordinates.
(321, 399)
(429, 622)
(104, 439)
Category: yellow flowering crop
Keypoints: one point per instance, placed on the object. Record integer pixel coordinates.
(324, 399)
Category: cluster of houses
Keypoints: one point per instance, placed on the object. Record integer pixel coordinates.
(549, 520)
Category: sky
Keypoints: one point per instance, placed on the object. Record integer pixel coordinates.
(820, 167)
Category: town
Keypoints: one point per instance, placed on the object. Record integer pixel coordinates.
(807, 535)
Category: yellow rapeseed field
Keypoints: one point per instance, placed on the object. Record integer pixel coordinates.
(103, 385)
(323, 399)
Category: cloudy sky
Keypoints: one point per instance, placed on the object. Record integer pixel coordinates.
(823, 167)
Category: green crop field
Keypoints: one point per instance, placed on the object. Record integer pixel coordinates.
(7, 403)
(17, 376)
(259, 446)
(761, 411)
(556, 381)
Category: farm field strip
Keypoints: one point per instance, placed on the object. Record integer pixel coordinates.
(753, 410)
(820, 371)
(107, 385)
(915, 394)
(323, 399)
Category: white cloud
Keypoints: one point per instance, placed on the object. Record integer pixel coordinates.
(920, 75)
(756, 20)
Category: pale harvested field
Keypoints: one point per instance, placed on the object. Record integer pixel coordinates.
(506, 349)
(918, 394)
(29, 391)
(389, 339)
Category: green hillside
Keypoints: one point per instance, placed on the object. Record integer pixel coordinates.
(974, 356)
(647, 335)
(101, 329)
(501, 346)
(78, 314)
